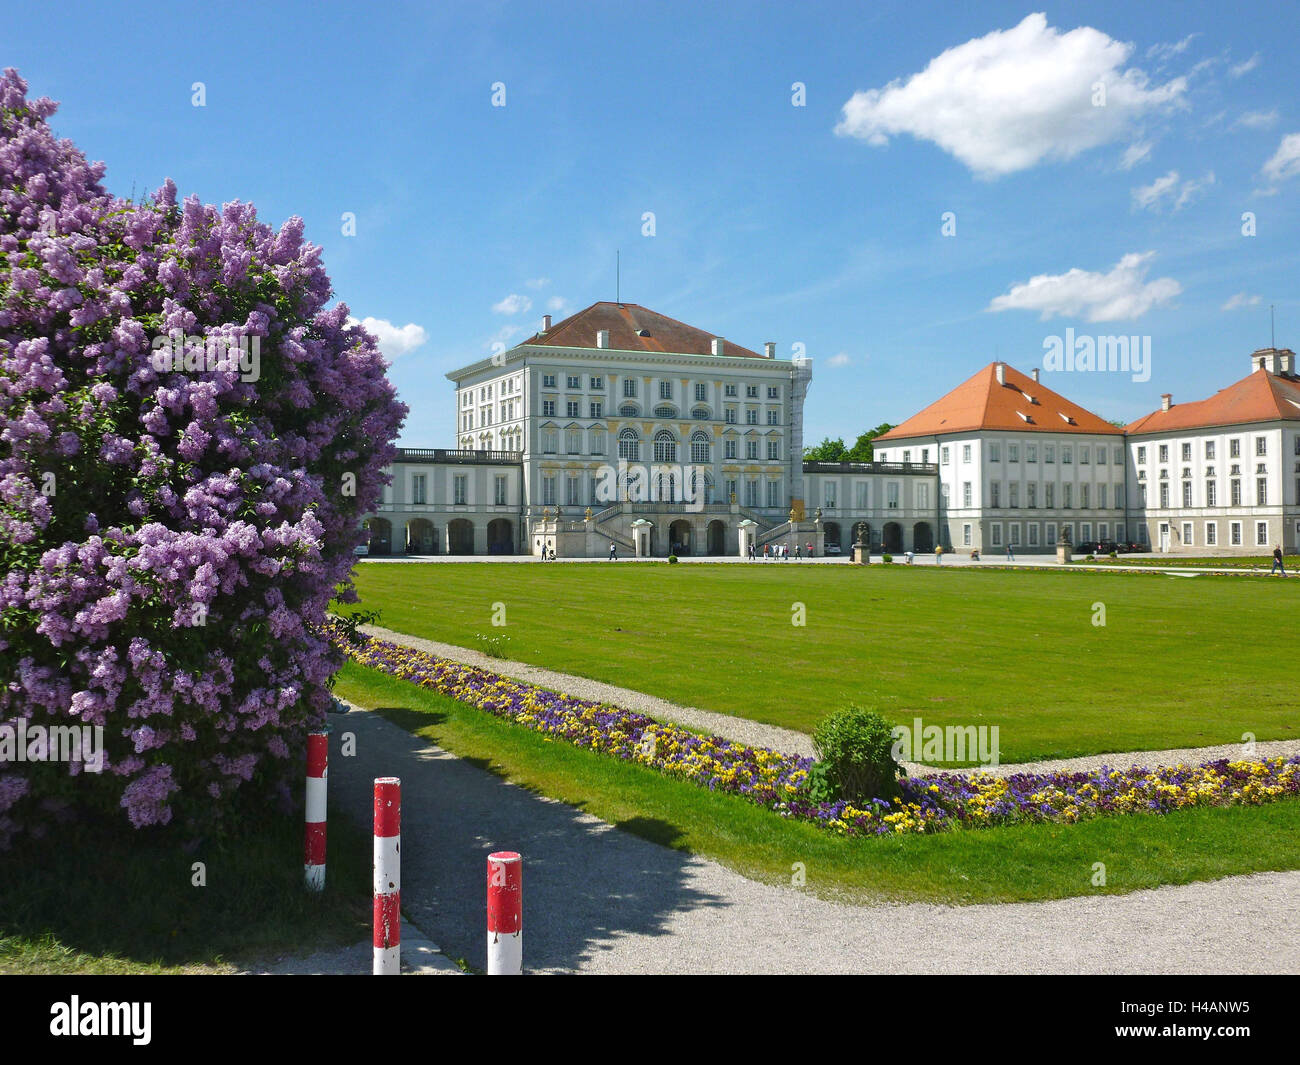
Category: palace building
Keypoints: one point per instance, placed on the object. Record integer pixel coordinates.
(623, 427)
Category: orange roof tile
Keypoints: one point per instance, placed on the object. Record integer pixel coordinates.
(981, 403)
(1260, 397)
(625, 322)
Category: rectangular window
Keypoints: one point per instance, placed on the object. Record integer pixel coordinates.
(751, 391)
(573, 442)
(1067, 495)
(1085, 532)
(1032, 530)
(1013, 494)
(773, 417)
(1084, 456)
(729, 391)
(751, 416)
(774, 450)
(1187, 452)
(965, 534)
(965, 452)
(861, 489)
(598, 441)
(596, 384)
(1031, 490)
(572, 408)
(1049, 452)
(1261, 445)
(596, 409)
(1234, 534)
(629, 388)
(729, 416)
(1187, 534)
(1187, 493)
(828, 493)
(573, 491)
(499, 490)
(460, 488)
(995, 534)
(1031, 452)
(548, 408)
(1101, 497)
(943, 455)
(665, 390)
(751, 493)
(1049, 495)
(995, 452)
(1083, 495)
(994, 495)
(1234, 448)
(548, 490)
(1261, 491)
(1236, 492)
(1211, 534)
(891, 495)
(965, 494)
(1261, 534)
(1013, 452)
(1164, 494)
(751, 449)
(773, 493)
(572, 381)
(922, 496)
(1164, 452)
(1067, 456)
(548, 380)
(701, 391)
(773, 392)
(1142, 456)
(418, 489)
(1049, 533)
(1209, 449)
(1013, 534)
(1211, 493)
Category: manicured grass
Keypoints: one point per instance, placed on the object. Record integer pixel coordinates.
(985, 865)
(1264, 562)
(1178, 663)
(115, 901)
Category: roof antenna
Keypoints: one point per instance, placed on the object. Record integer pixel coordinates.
(618, 278)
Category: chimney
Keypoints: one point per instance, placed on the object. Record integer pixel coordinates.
(1000, 370)
(1166, 400)
(1274, 360)
(719, 346)
(602, 338)
(769, 349)
(546, 323)
(1035, 373)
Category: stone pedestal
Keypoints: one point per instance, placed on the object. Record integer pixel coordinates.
(861, 554)
(1064, 551)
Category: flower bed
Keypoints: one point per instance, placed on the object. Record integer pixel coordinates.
(779, 781)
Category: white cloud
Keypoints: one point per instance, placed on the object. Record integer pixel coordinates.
(1285, 162)
(1240, 300)
(840, 359)
(1162, 52)
(538, 282)
(1244, 68)
(558, 304)
(1169, 189)
(1122, 293)
(1013, 98)
(1257, 119)
(394, 340)
(505, 335)
(1134, 154)
(512, 304)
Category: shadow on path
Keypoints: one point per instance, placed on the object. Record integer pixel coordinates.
(585, 883)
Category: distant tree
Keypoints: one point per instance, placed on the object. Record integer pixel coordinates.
(864, 448)
(827, 451)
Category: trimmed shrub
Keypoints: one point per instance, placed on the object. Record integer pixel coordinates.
(189, 439)
(856, 748)
(672, 560)
(886, 558)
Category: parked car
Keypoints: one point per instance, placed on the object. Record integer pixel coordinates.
(1101, 547)
(361, 549)
(831, 549)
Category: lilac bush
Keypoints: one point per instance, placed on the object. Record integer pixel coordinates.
(172, 525)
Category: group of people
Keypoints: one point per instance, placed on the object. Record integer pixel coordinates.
(779, 552)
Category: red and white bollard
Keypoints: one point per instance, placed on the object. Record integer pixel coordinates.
(388, 876)
(505, 914)
(318, 760)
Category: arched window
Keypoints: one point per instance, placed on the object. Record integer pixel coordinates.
(700, 414)
(700, 448)
(628, 410)
(665, 412)
(665, 446)
(629, 445)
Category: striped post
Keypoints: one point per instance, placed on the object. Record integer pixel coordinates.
(505, 914)
(318, 761)
(388, 876)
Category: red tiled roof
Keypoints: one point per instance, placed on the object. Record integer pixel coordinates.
(625, 322)
(981, 403)
(1260, 397)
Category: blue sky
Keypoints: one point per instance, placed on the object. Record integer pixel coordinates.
(817, 224)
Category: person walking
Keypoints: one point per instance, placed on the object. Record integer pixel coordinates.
(751, 550)
(1011, 555)
(938, 555)
(810, 549)
(797, 556)
(1277, 561)
(613, 551)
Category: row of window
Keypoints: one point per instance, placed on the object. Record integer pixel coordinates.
(1086, 497)
(510, 386)
(459, 489)
(1212, 493)
(1185, 449)
(1086, 453)
(667, 388)
(590, 489)
(1044, 533)
(862, 495)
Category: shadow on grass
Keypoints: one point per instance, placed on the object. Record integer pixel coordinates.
(110, 899)
(586, 883)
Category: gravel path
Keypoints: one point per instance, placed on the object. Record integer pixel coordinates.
(756, 734)
(600, 900)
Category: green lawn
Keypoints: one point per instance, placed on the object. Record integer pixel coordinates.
(1179, 663)
(1264, 562)
(111, 900)
(986, 865)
